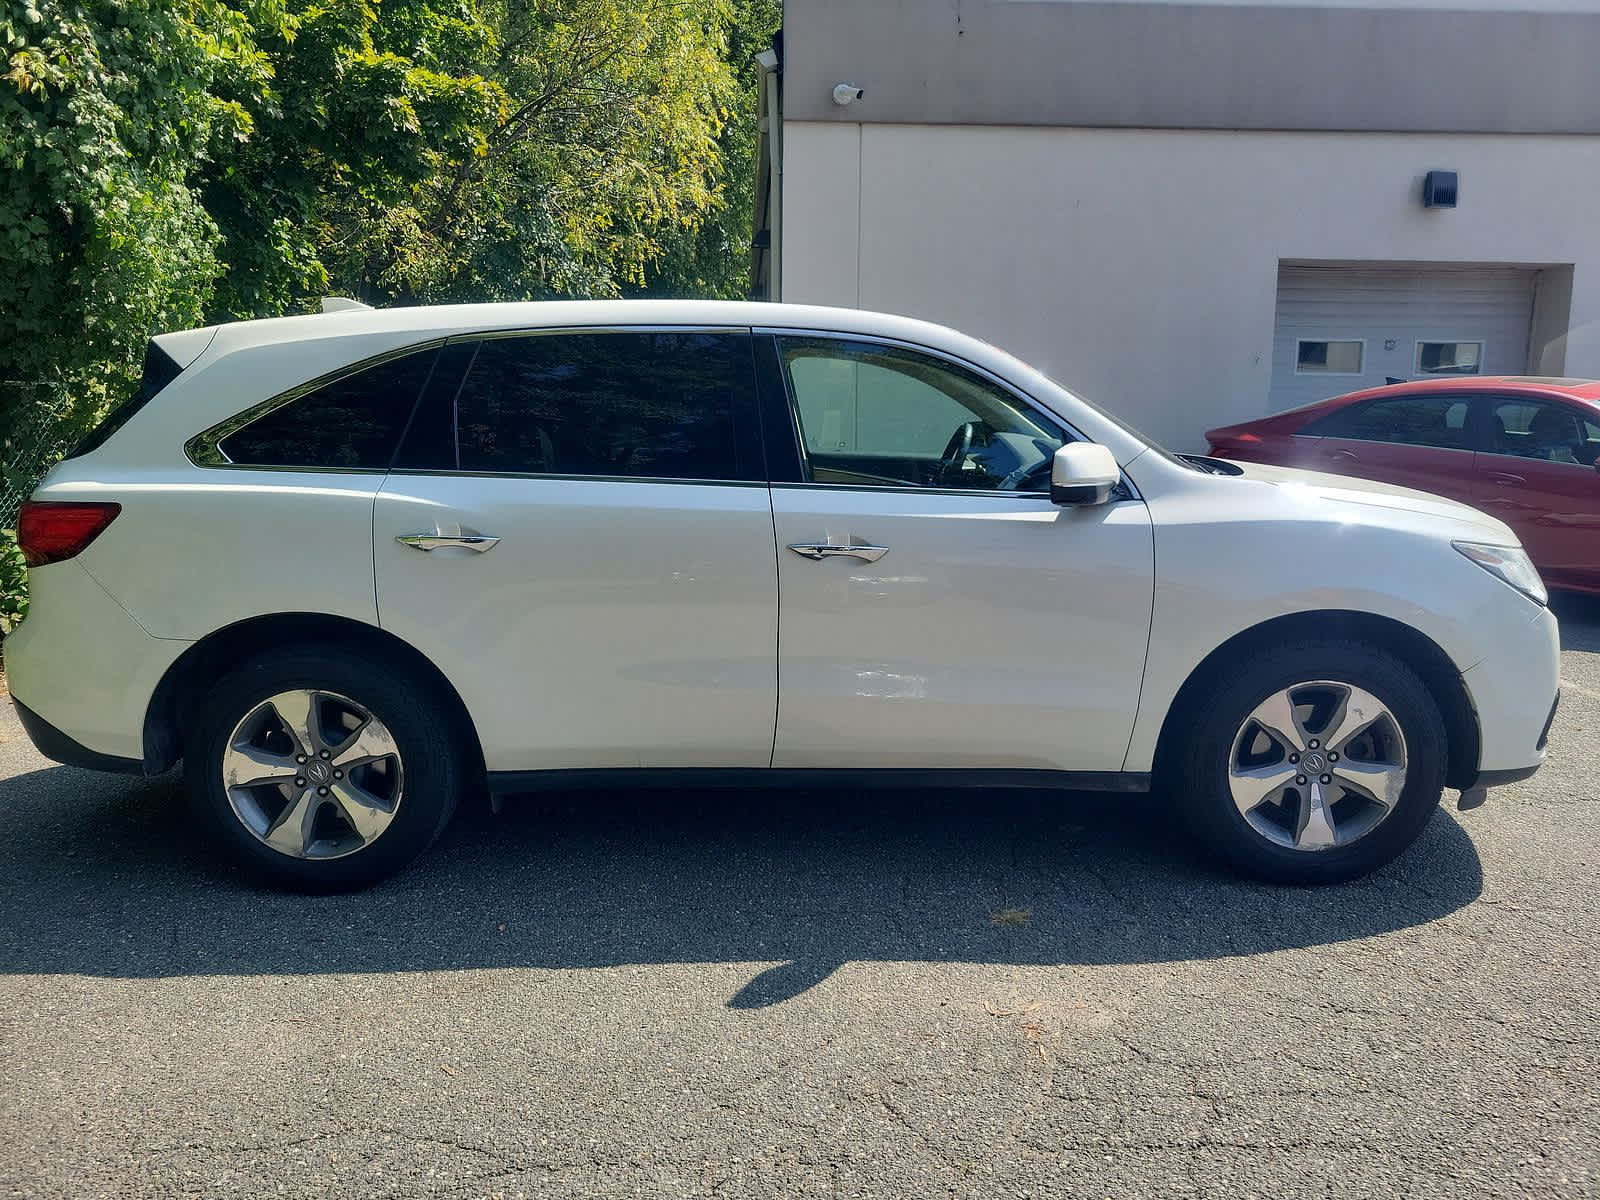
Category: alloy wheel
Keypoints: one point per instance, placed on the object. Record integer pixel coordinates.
(312, 774)
(1317, 765)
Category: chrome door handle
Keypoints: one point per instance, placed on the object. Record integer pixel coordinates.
(817, 551)
(1506, 477)
(434, 541)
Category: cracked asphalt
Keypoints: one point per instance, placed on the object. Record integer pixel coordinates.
(756, 995)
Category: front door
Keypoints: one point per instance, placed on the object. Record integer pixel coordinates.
(936, 609)
(1418, 440)
(1538, 476)
(578, 533)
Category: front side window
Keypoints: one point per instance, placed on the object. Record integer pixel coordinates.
(1545, 431)
(353, 422)
(881, 416)
(664, 405)
(1439, 421)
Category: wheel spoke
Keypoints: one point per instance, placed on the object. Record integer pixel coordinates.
(371, 742)
(365, 812)
(298, 712)
(1357, 712)
(1276, 716)
(1252, 785)
(247, 767)
(291, 833)
(1314, 831)
(1382, 782)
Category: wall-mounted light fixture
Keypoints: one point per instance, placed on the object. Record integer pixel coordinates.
(1439, 189)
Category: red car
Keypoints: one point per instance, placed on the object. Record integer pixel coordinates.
(1521, 448)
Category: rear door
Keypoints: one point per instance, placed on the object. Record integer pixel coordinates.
(578, 533)
(1421, 440)
(1538, 476)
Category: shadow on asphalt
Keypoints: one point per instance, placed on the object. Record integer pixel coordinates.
(100, 876)
(1579, 616)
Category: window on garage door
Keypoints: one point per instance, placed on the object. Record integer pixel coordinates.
(1439, 421)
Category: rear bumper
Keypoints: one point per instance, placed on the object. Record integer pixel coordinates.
(52, 743)
(83, 667)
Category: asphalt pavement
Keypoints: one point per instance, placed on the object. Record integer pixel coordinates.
(747, 994)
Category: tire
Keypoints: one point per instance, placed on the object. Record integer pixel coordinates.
(405, 767)
(1226, 752)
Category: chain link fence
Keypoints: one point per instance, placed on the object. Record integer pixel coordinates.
(30, 442)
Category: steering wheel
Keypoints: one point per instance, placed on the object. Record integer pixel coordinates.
(956, 449)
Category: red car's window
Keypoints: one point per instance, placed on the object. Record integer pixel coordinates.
(1545, 431)
(1428, 420)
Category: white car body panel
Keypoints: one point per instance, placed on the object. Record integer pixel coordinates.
(1232, 553)
(615, 624)
(998, 631)
(209, 547)
(83, 663)
(638, 623)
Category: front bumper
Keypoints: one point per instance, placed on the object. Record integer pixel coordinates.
(1515, 692)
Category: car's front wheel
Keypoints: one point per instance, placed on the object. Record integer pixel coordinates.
(1312, 763)
(321, 769)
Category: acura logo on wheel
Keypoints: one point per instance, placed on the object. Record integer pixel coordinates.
(319, 772)
(1314, 762)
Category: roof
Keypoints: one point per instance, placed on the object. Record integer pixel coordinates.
(1582, 389)
(442, 320)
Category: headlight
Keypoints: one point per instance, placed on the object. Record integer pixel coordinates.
(1510, 563)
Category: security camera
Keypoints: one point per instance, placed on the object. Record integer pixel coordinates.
(847, 93)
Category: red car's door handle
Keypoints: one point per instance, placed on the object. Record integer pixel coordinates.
(1342, 456)
(1507, 478)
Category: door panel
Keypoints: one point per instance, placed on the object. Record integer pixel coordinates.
(1417, 440)
(997, 631)
(627, 615)
(1539, 479)
(615, 623)
(1448, 473)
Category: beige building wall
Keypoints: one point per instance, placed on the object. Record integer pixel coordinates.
(1139, 267)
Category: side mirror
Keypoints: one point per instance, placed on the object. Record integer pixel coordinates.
(1083, 473)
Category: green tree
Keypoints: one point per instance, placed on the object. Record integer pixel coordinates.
(367, 104)
(713, 258)
(105, 107)
(603, 145)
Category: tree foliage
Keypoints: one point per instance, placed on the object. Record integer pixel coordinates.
(167, 163)
(105, 110)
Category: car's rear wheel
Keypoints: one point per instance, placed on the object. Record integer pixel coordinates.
(322, 769)
(1312, 763)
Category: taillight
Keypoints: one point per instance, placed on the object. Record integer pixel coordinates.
(51, 530)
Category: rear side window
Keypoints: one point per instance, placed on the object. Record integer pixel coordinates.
(159, 370)
(662, 405)
(353, 422)
(1437, 420)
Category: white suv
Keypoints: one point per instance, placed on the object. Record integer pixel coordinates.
(353, 567)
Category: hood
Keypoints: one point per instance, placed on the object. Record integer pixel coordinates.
(1343, 489)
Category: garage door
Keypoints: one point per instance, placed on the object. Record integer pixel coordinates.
(1343, 328)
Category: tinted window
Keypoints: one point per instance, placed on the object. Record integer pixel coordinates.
(1549, 432)
(1439, 420)
(430, 440)
(876, 415)
(652, 405)
(354, 421)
